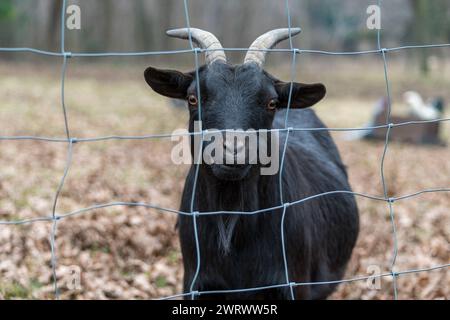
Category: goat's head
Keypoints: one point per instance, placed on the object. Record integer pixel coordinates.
(241, 97)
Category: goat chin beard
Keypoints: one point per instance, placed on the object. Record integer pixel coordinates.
(226, 227)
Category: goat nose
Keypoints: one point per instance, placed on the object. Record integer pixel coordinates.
(234, 146)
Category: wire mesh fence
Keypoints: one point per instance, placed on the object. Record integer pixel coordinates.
(71, 142)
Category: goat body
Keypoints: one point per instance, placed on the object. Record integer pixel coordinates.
(245, 251)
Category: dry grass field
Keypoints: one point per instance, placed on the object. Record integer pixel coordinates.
(133, 252)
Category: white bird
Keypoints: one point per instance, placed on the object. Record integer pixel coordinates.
(418, 108)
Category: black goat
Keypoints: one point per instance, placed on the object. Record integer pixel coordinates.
(245, 251)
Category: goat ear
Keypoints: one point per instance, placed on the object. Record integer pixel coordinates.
(303, 95)
(169, 83)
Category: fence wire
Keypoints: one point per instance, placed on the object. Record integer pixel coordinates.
(71, 141)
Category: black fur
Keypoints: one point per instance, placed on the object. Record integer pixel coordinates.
(244, 251)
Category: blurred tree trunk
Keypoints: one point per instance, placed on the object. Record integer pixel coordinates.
(53, 26)
(144, 37)
(420, 29)
(430, 21)
(166, 12)
(108, 12)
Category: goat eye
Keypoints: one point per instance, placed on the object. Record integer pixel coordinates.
(272, 105)
(192, 99)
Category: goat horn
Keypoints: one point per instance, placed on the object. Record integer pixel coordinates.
(204, 39)
(268, 40)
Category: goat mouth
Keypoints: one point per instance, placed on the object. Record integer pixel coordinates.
(230, 172)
